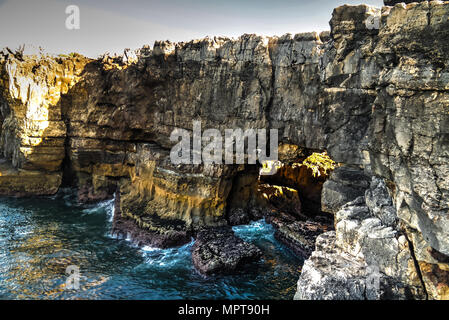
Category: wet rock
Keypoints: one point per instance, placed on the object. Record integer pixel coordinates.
(159, 189)
(156, 234)
(298, 235)
(166, 236)
(218, 250)
(88, 195)
(238, 216)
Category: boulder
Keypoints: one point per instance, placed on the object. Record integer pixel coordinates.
(219, 251)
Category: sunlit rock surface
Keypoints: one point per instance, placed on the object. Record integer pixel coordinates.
(34, 131)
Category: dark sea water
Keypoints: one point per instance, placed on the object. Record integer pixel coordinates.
(40, 238)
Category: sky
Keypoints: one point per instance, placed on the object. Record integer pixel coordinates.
(113, 25)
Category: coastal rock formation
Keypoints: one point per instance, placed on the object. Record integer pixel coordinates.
(218, 250)
(394, 2)
(407, 149)
(298, 235)
(295, 227)
(155, 233)
(365, 258)
(409, 131)
(372, 93)
(343, 186)
(33, 132)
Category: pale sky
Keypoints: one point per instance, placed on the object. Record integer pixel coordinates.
(113, 25)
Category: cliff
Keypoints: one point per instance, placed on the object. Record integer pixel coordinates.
(376, 99)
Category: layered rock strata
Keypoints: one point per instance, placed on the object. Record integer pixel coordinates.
(33, 132)
(372, 93)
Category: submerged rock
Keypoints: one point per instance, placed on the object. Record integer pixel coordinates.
(219, 250)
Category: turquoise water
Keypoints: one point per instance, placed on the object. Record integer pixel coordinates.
(40, 238)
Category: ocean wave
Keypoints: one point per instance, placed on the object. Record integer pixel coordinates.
(256, 230)
(167, 257)
(106, 206)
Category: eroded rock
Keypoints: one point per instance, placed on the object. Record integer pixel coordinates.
(298, 235)
(374, 96)
(364, 258)
(218, 250)
(149, 232)
(344, 185)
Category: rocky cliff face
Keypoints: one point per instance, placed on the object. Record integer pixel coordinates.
(405, 214)
(372, 93)
(33, 130)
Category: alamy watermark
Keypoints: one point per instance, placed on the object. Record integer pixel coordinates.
(73, 22)
(373, 22)
(73, 278)
(238, 146)
(372, 282)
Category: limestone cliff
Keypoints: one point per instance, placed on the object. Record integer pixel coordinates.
(373, 95)
(33, 131)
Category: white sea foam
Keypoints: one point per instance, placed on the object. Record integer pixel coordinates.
(103, 206)
(166, 257)
(255, 230)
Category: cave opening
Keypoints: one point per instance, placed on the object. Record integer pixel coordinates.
(296, 185)
(289, 199)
